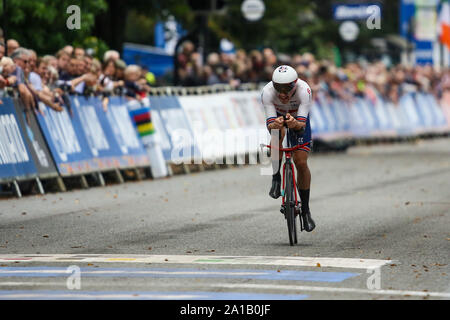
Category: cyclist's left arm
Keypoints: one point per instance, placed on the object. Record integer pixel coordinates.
(304, 107)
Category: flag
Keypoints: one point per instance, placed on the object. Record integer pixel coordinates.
(444, 24)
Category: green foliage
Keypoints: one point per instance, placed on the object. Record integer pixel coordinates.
(287, 26)
(41, 24)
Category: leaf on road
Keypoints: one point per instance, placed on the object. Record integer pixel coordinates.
(318, 265)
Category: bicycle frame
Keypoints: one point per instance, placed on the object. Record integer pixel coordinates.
(288, 155)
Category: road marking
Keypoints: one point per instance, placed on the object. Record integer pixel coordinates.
(349, 263)
(330, 289)
(31, 283)
(106, 295)
(292, 275)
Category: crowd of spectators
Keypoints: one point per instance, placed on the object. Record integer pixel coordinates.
(74, 70)
(345, 82)
(49, 78)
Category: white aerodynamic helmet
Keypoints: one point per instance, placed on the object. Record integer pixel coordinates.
(284, 78)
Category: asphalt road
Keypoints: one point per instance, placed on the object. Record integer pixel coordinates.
(382, 214)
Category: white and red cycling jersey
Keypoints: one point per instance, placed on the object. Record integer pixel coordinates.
(298, 105)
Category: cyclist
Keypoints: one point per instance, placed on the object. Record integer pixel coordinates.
(287, 95)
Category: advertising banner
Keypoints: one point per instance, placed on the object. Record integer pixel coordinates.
(16, 161)
(66, 141)
(35, 142)
(173, 130)
(120, 130)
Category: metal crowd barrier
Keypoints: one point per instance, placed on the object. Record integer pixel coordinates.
(181, 127)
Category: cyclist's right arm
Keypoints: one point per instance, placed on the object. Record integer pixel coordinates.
(272, 121)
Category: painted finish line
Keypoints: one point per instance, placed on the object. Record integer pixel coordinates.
(106, 295)
(41, 272)
(350, 263)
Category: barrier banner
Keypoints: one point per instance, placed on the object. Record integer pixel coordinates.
(110, 148)
(173, 130)
(104, 153)
(120, 130)
(35, 142)
(250, 122)
(227, 124)
(66, 141)
(16, 161)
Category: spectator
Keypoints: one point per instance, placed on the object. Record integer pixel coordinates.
(11, 46)
(87, 63)
(51, 61)
(68, 49)
(2, 50)
(20, 57)
(79, 52)
(7, 77)
(135, 88)
(32, 59)
(63, 63)
(111, 54)
(87, 83)
(106, 79)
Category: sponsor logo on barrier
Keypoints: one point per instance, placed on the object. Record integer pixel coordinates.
(93, 130)
(62, 133)
(122, 128)
(12, 147)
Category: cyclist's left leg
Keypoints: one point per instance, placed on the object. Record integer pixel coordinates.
(304, 176)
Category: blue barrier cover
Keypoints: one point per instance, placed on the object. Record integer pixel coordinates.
(66, 141)
(173, 126)
(15, 158)
(121, 130)
(415, 113)
(89, 113)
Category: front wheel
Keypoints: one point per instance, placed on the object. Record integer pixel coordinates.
(290, 206)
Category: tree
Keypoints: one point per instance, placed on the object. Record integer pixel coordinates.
(112, 25)
(41, 24)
